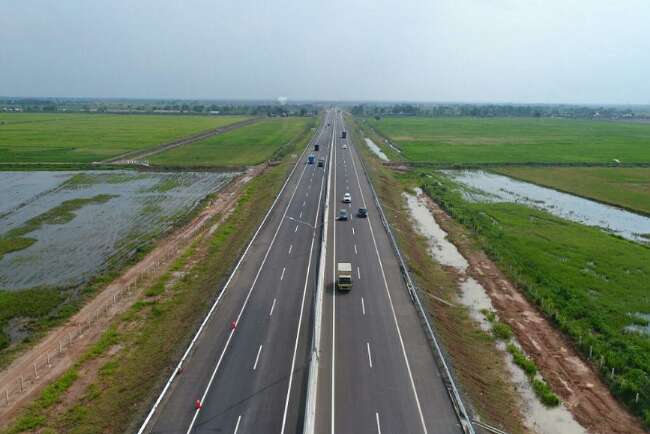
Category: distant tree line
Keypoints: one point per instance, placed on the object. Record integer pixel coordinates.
(52, 105)
(501, 110)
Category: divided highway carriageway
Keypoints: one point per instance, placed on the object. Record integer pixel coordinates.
(282, 351)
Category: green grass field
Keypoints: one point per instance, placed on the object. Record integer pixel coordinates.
(84, 138)
(624, 187)
(449, 141)
(245, 146)
(590, 283)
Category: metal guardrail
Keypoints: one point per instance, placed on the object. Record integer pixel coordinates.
(452, 389)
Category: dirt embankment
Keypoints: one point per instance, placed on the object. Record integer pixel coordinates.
(23, 380)
(571, 377)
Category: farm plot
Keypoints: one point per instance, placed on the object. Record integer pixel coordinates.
(78, 225)
(84, 138)
(245, 146)
(475, 141)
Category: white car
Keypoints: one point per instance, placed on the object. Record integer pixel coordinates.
(347, 198)
(345, 146)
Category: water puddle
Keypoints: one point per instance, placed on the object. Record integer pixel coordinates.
(499, 188)
(141, 208)
(473, 295)
(376, 150)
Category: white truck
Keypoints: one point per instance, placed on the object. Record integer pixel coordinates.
(344, 276)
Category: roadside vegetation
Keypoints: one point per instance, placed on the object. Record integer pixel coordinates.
(111, 386)
(84, 138)
(591, 284)
(477, 141)
(478, 365)
(627, 188)
(249, 145)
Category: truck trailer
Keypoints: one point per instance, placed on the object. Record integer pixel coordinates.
(344, 276)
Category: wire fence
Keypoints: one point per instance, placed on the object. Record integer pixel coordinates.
(72, 335)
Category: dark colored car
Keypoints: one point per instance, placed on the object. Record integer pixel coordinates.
(343, 214)
(363, 212)
(321, 162)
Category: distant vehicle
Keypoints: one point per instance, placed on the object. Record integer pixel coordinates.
(316, 147)
(321, 162)
(347, 198)
(344, 276)
(311, 159)
(343, 214)
(345, 146)
(362, 213)
(344, 134)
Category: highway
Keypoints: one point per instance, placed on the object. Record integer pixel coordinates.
(251, 378)
(248, 366)
(377, 372)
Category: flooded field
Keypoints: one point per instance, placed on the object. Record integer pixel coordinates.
(541, 419)
(376, 150)
(485, 186)
(80, 223)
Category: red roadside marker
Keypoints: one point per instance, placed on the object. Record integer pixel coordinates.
(197, 404)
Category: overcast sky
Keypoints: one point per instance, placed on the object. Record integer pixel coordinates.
(571, 51)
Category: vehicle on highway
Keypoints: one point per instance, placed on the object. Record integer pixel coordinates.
(321, 162)
(347, 198)
(362, 212)
(343, 214)
(344, 134)
(344, 276)
(311, 158)
(316, 147)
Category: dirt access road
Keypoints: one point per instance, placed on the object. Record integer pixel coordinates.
(572, 378)
(62, 346)
(143, 153)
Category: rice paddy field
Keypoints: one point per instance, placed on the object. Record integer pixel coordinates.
(627, 188)
(249, 145)
(475, 141)
(85, 138)
(61, 232)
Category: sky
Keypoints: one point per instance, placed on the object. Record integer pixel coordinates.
(520, 51)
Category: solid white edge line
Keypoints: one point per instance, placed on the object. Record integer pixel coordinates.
(302, 308)
(257, 358)
(392, 308)
(312, 386)
(241, 312)
(333, 367)
(223, 291)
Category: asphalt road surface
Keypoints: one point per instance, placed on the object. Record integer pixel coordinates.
(251, 379)
(249, 367)
(377, 371)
